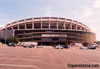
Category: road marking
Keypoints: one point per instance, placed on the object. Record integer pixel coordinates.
(4, 54)
(35, 56)
(20, 59)
(17, 65)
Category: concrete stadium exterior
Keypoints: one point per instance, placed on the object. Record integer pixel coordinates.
(48, 30)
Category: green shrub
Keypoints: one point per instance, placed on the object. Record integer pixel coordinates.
(13, 40)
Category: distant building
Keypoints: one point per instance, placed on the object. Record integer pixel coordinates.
(47, 30)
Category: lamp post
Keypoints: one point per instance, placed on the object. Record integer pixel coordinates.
(5, 36)
(0, 35)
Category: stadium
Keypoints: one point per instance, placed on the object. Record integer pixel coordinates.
(48, 30)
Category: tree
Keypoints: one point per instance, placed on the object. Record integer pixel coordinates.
(98, 42)
(13, 40)
(85, 44)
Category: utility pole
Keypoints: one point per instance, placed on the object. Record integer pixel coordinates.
(5, 35)
(0, 35)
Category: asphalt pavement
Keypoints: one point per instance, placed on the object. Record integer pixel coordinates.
(47, 58)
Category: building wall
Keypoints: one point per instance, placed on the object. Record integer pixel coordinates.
(31, 29)
(89, 37)
(5, 34)
(47, 23)
(55, 36)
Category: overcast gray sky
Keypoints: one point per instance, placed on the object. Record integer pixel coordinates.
(85, 11)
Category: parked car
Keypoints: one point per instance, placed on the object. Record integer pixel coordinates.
(19, 44)
(98, 45)
(39, 46)
(59, 47)
(28, 46)
(65, 46)
(92, 46)
(84, 48)
(12, 44)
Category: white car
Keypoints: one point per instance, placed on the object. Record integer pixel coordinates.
(59, 47)
(84, 48)
(39, 46)
(92, 46)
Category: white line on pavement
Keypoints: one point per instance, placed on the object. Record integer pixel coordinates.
(20, 59)
(17, 65)
(3, 54)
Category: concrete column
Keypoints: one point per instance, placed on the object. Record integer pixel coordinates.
(49, 23)
(18, 27)
(76, 26)
(13, 32)
(12, 28)
(80, 28)
(57, 23)
(71, 26)
(41, 24)
(32, 24)
(65, 25)
(25, 26)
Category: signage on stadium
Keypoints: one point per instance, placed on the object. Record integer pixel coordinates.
(54, 35)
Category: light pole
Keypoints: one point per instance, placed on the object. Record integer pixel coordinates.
(0, 35)
(5, 35)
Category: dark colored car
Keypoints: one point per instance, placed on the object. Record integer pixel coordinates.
(12, 44)
(28, 46)
(40, 46)
(65, 46)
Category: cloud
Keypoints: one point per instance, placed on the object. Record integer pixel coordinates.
(48, 10)
(2, 26)
(96, 3)
(88, 12)
(3, 22)
(91, 17)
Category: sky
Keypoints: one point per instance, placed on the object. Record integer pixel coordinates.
(85, 11)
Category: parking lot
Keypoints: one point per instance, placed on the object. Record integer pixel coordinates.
(46, 57)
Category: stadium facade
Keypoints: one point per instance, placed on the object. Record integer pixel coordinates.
(48, 30)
